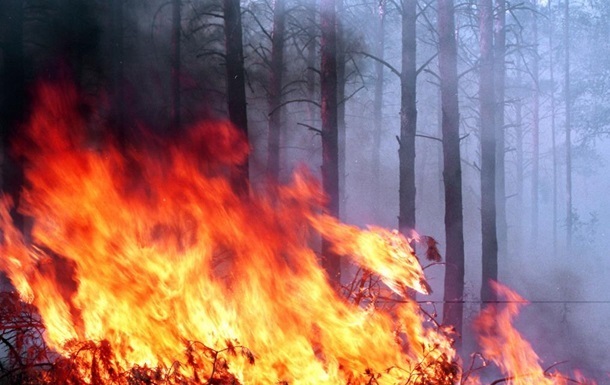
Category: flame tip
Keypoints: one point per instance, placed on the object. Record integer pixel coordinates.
(145, 262)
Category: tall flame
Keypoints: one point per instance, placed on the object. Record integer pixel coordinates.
(145, 255)
(149, 250)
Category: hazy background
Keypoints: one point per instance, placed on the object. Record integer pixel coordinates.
(567, 320)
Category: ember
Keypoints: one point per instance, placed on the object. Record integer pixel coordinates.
(146, 267)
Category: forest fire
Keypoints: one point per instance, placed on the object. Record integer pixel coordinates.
(147, 268)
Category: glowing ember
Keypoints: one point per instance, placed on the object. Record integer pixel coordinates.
(144, 261)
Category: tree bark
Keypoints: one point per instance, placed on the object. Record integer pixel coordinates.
(500, 74)
(378, 103)
(312, 28)
(236, 87)
(568, 123)
(489, 245)
(175, 64)
(117, 71)
(553, 125)
(13, 107)
(520, 173)
(330, 151)
(408, 119)
(535, 137)
(275, 90)
(452, 169)
(341, 127)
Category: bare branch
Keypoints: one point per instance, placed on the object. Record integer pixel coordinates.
(377, 59)
(423, 66)
(258, 22)
(311, 128)
(350, 96)
(293, 101)
(428, 137)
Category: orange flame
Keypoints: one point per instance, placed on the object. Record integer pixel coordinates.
(507, 348)
(147, 253)
(151, 250)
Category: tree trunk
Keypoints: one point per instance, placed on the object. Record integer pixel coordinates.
(488, 152)
(275, 90)
(330, 154)
(342, 129)
(117, 71)
(312, 29)
(175, 71)
(520, 174)
(500, 74)
(13, 99)
(236, 87)
(568, 101)
(535, 138)
(378, 105)
(408, 119)
(452, 169)
(553, 126)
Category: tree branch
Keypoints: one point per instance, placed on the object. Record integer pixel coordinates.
(350, 96)
(311, 128)
(385, 63)
(429, 137)
(259, 23)
(293, 101)
(423, 66)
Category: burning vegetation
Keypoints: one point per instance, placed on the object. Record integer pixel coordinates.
(142, 266)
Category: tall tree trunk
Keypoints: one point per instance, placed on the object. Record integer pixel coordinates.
(236, 86)
(520, 173)
(488, 152)
(312, 29)
(452, 168)
(499, 87)
(330, 151)
(275, 90)
(553, 126)
(568, 101)
(535, 137)
(175, 71)
(378, 103)
(341, 127)
(408, 118)
(12, 112)
(117, 70)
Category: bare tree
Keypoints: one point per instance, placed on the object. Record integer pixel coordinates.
(488, 151)
(378, 101)
(311, 57)
(341, 101)
(520, 173)
(568, 123)
(535, 134)
(276, 72)
(553, 125)
(236, 87)
(117, 72)
(330, 150)
(175, 66)
(12, 109)
(499, 88)
(408, 117)
(452, 169)
(408, 110)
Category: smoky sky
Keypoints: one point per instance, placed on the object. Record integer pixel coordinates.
(78, 39)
